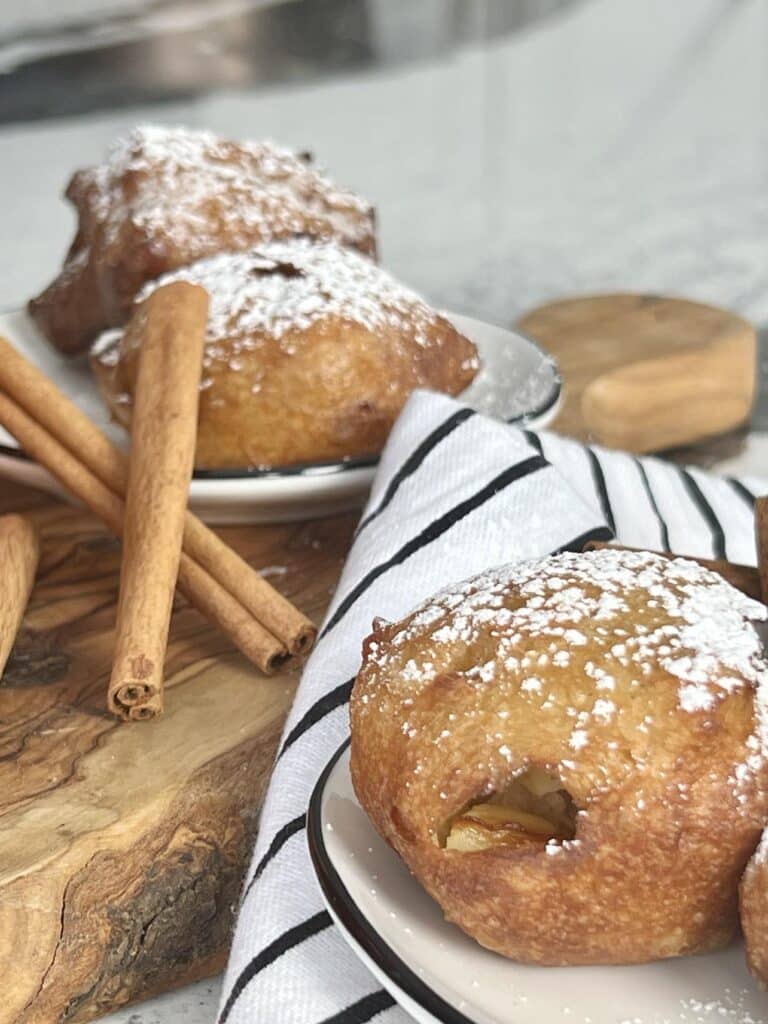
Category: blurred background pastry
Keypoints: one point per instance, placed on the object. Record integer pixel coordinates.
(311, 351)
(568, 754)
(166, 197)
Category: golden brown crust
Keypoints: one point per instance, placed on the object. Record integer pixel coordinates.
(167, 197)
(312, 351)
(583, 666)
(753, 908)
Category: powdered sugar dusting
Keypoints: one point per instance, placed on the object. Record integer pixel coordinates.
(706, 643)
(695, 627)
(106, 349)
(190, 188)
(287, 286)
(733, 1007)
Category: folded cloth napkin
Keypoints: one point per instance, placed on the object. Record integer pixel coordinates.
(455, 494)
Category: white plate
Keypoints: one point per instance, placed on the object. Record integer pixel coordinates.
(518, 381)
(440, 975)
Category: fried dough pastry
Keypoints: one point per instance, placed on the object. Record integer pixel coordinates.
(568, 754)
(311, 352)
(167, 197)
(753, 905)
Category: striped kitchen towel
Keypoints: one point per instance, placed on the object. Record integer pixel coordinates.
(455, 494)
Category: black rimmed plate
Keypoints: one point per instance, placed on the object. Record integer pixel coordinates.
(518, 382)
(438, 974)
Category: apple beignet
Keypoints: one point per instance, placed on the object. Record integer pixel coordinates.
(311, 352)
(753, 904)
(568, 754)
(166, 197)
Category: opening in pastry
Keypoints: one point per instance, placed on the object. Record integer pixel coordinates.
(532, 809)
(281, 267)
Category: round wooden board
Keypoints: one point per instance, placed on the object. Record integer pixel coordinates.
(594, 336)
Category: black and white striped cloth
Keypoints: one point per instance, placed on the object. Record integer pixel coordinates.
(455, 494)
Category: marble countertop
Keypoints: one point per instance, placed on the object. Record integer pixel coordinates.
(610, 145)
(194, 1004)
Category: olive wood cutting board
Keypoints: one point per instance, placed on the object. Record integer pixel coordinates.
(123, 846)
(647, 372)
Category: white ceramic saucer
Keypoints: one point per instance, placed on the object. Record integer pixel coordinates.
(518, 382)
(438, 974)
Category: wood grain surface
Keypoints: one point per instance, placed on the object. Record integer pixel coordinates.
(646, 372)
(123, 846)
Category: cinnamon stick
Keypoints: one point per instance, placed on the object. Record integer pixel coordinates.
(744, 577)
(200, 589)
(163, 435)
(44, 402)
(19, 555)
(268, 605)
(761, 542)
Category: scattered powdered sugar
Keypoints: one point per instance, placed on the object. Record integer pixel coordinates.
(190, 187)
(532, 684)
(106, 348)
(694, 697)
(289, 285)
(579, 739)
(733, 1007)
(603, 708)
(555, 846)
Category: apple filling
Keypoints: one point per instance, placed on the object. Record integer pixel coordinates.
(532, 810)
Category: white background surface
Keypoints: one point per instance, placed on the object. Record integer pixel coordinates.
(614, 145)
(195, 1004)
